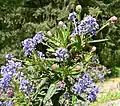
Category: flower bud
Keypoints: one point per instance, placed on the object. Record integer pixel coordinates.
(78, 67)
(93, 49)
(113, 19)
(10, 92)
(54, 66)
(78, 8)
(60, 24)
(49, 33)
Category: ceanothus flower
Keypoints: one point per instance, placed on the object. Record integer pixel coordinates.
(8, 103)
(92, 94)
(29, 43)
(85, 85)
(28, 46)
(95, 59)
(82, 85)
(4, 82)
(87, 26)
(40, 54)
(101, 77)
(61, 54)
(25, 85)
(1, 103)
(67, 95)
(7, 72)
(38, 38)
(72, 16)
(10, 68)
(9, 56)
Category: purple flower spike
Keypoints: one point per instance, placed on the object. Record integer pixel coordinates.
(61, 54)
(72, 16)
(85, 85)
(28, 46)
(38, 38)
(9, 56)
(87, 26)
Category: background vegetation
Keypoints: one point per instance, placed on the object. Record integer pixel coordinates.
(20, 19)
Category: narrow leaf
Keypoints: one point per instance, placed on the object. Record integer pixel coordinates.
(97, 41)
(51, 91)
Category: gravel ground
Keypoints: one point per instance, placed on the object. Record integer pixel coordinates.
(112, 103)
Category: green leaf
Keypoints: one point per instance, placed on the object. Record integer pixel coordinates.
(97, 41)
(28, 63)
(75, 72)
(43, 82)
(74, 100)
(51, 91)
(51, 50)
(88, 57)
(60, 35)
(52, 59)
(73, 44)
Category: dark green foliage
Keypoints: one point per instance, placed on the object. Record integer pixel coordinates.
(109, 52)
(22, 19)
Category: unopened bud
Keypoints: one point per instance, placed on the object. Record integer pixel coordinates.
(54, 66)
(78, 67)
(10, 92)
(113, 19)
(93, 49)
(78, 8)
(61, 24)
(49, 33)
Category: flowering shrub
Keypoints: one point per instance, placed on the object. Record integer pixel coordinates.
(65, 73)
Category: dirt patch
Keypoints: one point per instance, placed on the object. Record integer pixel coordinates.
(111, 103)
(112, 86)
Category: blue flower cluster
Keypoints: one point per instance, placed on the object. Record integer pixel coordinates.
(92, 95)
(29, 43)
(72, 16)
(67, 95)
(87, 26)
(99, 72)
(38, 38)
(7, 72)
(25, 86)
(101, 77)
(95, 59)
(7, 103)
(28, 46)
(9, 56)
(85, 85)
(61, 54)
(73, 19)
